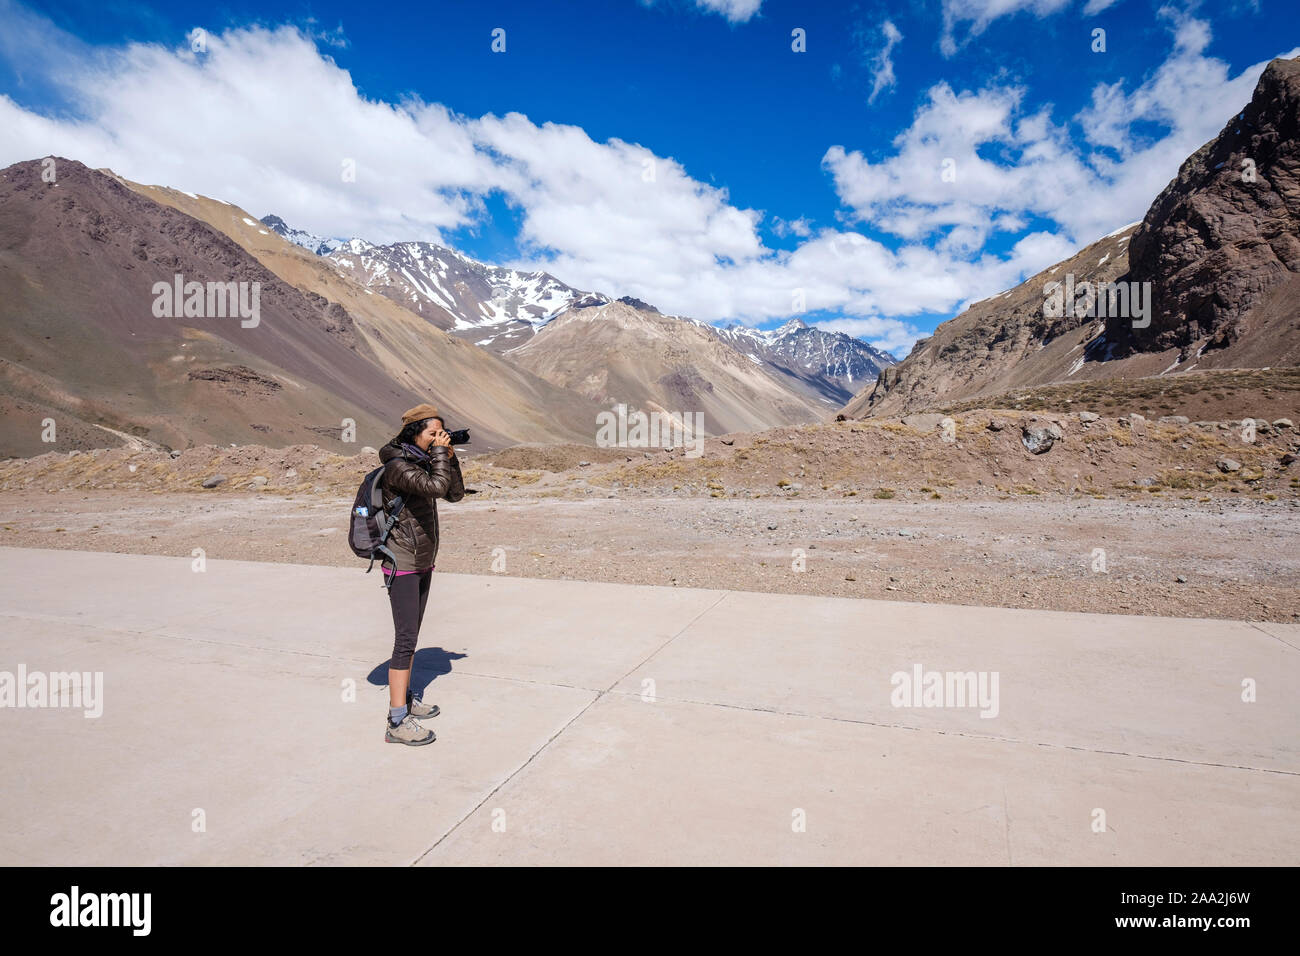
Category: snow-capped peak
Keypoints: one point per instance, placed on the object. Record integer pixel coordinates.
(298, 237)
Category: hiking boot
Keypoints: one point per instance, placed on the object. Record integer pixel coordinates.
(407, 732)
(419, 708)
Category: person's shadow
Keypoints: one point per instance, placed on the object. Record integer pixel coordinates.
(428, 664)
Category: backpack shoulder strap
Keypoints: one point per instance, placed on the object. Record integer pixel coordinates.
(377, 505)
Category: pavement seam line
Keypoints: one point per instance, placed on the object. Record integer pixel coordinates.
(1274, 636)
(493, 792)
(960, 733)
(682, 630)
(69, 622)
(535, 754)
(681, 700)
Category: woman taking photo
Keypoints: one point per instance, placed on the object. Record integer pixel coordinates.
(420, 466)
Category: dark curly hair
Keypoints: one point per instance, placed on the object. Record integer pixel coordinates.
(412, 431)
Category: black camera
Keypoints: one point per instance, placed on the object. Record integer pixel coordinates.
(460, 436)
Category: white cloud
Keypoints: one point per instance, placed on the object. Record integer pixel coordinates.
(610, 216)
(976, 162)
(615, 216)
(792, 227)
(736, 11)
(882, 64)
(980, 13)
(1094, 7)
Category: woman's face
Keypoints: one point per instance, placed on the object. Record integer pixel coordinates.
(425, 438)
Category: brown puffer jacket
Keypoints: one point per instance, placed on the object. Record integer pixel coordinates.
(414, 539)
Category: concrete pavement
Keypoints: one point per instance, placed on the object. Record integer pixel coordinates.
(610, 723)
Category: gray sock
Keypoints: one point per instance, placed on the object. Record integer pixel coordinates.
(396, 715)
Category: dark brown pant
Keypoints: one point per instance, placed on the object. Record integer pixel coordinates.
(408, 596)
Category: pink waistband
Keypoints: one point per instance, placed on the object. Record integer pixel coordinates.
(399, 573)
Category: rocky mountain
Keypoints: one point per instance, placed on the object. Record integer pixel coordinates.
(501, 403)
(501, 309)
(1002, 342)
(95, 338)
(1210, 278)
(822, 364)
(615, 352)
(1226, 232)
(493, 307)
(315, 244)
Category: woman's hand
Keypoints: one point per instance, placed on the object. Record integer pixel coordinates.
(440, 437)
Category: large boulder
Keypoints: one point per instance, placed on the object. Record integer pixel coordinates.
(1039, 440)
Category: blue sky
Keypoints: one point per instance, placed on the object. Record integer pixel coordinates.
(677, 151)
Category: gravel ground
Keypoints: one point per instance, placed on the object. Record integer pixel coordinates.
(1238, 556)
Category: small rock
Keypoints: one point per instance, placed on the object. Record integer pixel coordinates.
(796, 486)
(996, 425)
(291, 473)
(1288, 459)
(771, 527)
(1180, 579)
(369, 451)
(1145, 482)
(213, 481)
(260, 480)
(907, 532)
(1227, 465)
(174, 453)
(1283, 423)
(1088, 416)
(1175, 420)
(727, 441)
(583, 464)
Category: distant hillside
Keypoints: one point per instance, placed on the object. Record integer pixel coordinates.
(616, 352)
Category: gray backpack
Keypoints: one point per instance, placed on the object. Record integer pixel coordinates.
(370, 525)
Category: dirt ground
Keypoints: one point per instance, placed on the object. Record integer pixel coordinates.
(1239, 558)
(1120, 516)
